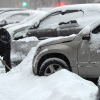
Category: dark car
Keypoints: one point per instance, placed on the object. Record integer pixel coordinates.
(63, 29)
(48, 23)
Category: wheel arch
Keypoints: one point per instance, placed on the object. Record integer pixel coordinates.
(51, 55)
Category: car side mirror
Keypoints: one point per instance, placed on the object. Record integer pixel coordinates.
(86, 37)
(36, 24)
(30, 27)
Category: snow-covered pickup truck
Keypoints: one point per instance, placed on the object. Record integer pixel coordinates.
(79, 53)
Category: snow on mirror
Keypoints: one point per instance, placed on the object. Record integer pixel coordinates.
(86, 31)
(95, 42)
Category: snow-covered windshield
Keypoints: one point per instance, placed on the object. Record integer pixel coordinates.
(30, 18)
(7, 14)
(17, 17)
(58, 17)
(34, 19)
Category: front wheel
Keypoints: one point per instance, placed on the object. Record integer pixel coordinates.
(51, 66)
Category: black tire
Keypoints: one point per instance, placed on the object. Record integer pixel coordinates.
(50, 66)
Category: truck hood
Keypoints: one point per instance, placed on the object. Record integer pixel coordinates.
(56, 40)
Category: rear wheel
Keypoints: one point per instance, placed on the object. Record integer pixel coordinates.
(51, 66)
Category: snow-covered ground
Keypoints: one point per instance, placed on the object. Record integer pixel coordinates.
(21, 84)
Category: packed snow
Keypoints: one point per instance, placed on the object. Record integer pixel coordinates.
(55, 38)
(27, 39)
(6, 15)
(21, 84)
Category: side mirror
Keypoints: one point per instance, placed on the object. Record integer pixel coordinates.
(30, 27)
(86, 31)
(86, 37)
(36, 24)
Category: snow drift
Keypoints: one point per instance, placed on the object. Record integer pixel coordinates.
(21, 84)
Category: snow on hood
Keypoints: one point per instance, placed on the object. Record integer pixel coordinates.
(21, 84)
(26, 20)
(84, 7)
(56, 39)
(23, 26)
(27, 39)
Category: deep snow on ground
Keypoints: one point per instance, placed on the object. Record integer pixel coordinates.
(21, 84)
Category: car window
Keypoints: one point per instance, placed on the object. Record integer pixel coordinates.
(51, 19)
(70, 24)
(17, 17)
(56, 18)
(96, 30)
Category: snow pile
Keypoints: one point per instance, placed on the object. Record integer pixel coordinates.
(21, 84)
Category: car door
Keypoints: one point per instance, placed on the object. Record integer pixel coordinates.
(84, 58)
(89, 55)
(69, 28)
(45, 33)
(95, 51)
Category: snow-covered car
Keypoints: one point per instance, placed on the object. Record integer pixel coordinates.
(11, 17)
(79, 53)
(21, 27)
(83, 13)
(3, 10)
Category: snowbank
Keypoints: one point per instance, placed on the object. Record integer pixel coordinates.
(21, 84)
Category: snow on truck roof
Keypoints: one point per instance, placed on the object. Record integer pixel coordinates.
(82, 7)
(77, 7)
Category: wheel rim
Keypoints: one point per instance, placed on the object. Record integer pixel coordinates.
(52, 69)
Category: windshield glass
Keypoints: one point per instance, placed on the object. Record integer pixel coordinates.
(29, 18)
(57, 17)
(33, 20)
(7, 14)
(17, 17)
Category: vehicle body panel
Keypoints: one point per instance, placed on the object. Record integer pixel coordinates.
(82, 53)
